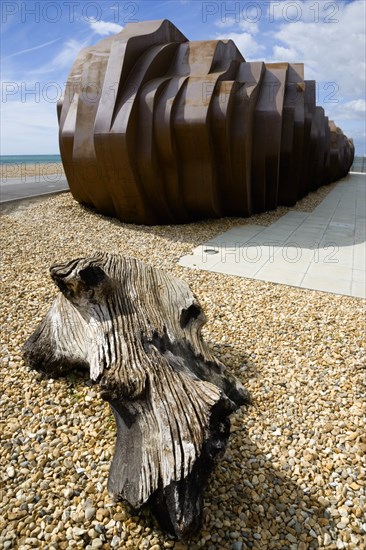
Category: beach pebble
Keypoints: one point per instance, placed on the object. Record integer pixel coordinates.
(89, 513)
(10, 471)
(293, 473)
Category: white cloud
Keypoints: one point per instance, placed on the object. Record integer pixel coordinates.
(244, 25)
(251, 27)
(281, 53)
(358, 106)
(104, 28)
(328, 37)
(225, 23)
(330, 51)
(67, 55)
(248, 46)
(331, 44)
(350, 110)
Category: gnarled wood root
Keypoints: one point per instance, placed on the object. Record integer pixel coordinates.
(138, 331)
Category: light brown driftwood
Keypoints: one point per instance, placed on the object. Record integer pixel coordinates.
(138, 330)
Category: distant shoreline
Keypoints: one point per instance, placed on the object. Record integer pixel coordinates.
(29, 159)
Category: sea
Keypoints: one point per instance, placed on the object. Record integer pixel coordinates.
(29, 159)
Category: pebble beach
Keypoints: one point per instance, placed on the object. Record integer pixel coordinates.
(293, 476)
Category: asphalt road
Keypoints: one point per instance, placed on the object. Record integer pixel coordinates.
(31, 186)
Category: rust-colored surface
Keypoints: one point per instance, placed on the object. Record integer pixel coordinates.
(157, 129)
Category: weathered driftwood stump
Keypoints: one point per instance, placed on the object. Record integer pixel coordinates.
(138, 330)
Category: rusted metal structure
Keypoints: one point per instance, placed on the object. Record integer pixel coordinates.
(157, 129)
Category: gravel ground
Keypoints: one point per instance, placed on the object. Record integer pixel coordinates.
(294, 473)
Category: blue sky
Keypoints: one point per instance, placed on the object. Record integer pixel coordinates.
(41, 39)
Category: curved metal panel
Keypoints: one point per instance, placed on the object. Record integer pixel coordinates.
(156, 129)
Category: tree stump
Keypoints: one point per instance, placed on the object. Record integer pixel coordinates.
(137, 330)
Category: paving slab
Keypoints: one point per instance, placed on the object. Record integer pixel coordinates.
(322, 250)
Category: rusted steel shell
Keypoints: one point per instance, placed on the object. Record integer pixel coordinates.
(156, 129)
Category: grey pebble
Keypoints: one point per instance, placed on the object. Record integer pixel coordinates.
(89, 513)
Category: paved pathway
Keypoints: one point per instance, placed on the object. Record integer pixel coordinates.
(31, 186)
(322, 250)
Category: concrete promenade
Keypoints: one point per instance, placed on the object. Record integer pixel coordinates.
(321, 250)
(12, 189)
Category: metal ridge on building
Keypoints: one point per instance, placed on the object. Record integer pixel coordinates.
(158, 129)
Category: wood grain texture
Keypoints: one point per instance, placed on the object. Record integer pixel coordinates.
(138, 331)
